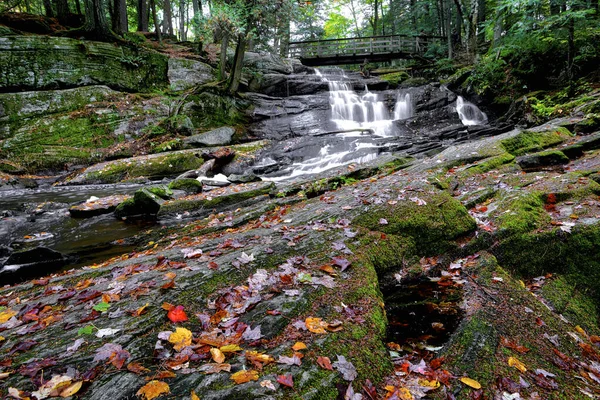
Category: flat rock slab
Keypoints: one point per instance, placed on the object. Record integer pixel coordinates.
(185, 74)
(216, 137)
(104, 205)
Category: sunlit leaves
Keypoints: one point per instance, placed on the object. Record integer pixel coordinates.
(244, 376)
(180, 338)
(153, 389)
(470, 382)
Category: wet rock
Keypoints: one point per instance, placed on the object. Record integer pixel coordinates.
(185, 74)
(30, 263)
(186, 184)
(216, 137)
(94, 207)
(207, 169)
(542, 159)
(244, 178)
(144, 205)
(221, 157)
(267, 63)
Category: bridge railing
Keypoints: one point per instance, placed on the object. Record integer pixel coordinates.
(362, 46)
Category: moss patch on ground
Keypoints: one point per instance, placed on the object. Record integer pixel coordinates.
(530, 141)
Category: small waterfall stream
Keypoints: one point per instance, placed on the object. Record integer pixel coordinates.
(363, 124)
(469, 114)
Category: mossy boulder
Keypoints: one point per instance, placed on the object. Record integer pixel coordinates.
(47, 62)
(144, 204)
(532, 141)
(186, 184)
(162, 191)
(543, 159)
(431, 219)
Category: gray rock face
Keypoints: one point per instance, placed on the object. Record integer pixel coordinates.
(216, 137)
(267, 63)
(184, 74)
(46, 62)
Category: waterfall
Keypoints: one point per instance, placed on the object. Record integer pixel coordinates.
(403, 108)
(469, 114)
(350, 110)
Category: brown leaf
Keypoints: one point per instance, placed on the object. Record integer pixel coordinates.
(325, 363)
(512, 345)
(137, 368)
(153, 389)
(244, 376)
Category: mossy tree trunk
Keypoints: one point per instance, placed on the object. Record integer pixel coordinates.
(62, 10)
(155, 19)
(238, 63)
(223, 59)
(48, 8)
(142, 16)
(182, 6)
(96, 24)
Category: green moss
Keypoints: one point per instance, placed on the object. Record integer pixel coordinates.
(490, 164)
(528, 141)
(188, 185)
(574, 303)
(390, 253)
(521, 212)
(432, 226)
(394, 78)
(161, 191)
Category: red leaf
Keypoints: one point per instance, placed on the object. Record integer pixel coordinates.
(213, 265)
(286, 380)
(177, 314)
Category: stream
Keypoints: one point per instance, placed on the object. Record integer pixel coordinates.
(351, 125)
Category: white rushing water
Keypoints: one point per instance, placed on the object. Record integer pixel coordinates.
(469, 114)
(362, 119)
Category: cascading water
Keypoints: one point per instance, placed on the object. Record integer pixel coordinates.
(403, 108)
(363, 121)
(469, 114)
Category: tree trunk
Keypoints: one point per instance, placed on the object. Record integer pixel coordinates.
(168, 18)
(223, 59)
(354, 17)
(155, 20)
(96, 24)
(48, 9)
(197, 7)
(182, 20)
(284, 37)
(449, 29)
(142, 16)
(459, 21)
(119, 22)
(238, 63)
(375, 17)
(62, 10)
(78, 6)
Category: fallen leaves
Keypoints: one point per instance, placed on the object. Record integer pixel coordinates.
(113, 353)
(325, 363)
(346, 368)
(153, 389)
(513, 362)
(177, 314)
(217, 355)
(244, 376)
(6, 315)
(470, 382)
(180, 338)
(286, 380)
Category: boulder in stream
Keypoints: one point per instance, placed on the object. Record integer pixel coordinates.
(30, 263)
(143, 205)
(97, 206)
(188, 185)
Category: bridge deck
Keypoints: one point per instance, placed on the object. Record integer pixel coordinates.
(356, 50)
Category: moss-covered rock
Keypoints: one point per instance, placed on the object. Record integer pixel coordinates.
(542, 159)
(46, 62)
(186, 184)
(144, 204)
(431, 219)
(532, 141)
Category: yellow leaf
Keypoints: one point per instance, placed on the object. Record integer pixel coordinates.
(299, 346)
(513, 362)
(71, 389)
(180, 338)
(430, 384)
(230, 348)
(315, 325)
(581, 331)
(4, 375)
(6, 315)
(471, 382)
(244, 376)
(153, 389)
(404, 394)
(194, 396)
(259, 357)
(217, 355)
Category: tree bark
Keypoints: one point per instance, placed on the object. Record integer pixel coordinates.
(197, 4)
(449, 29)
(223, 58)
(375, 17)
(62, 10)
(119, 22)
(96, 24)
(155, 20)
(78, 6)
(142, 16)
(238, 63)
(48, 9)
(168, 18)
(182, 20)
(284, 37)
(354, 17)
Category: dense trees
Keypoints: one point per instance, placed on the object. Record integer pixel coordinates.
(520, 42)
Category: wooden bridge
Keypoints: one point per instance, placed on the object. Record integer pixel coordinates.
(356, 50)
